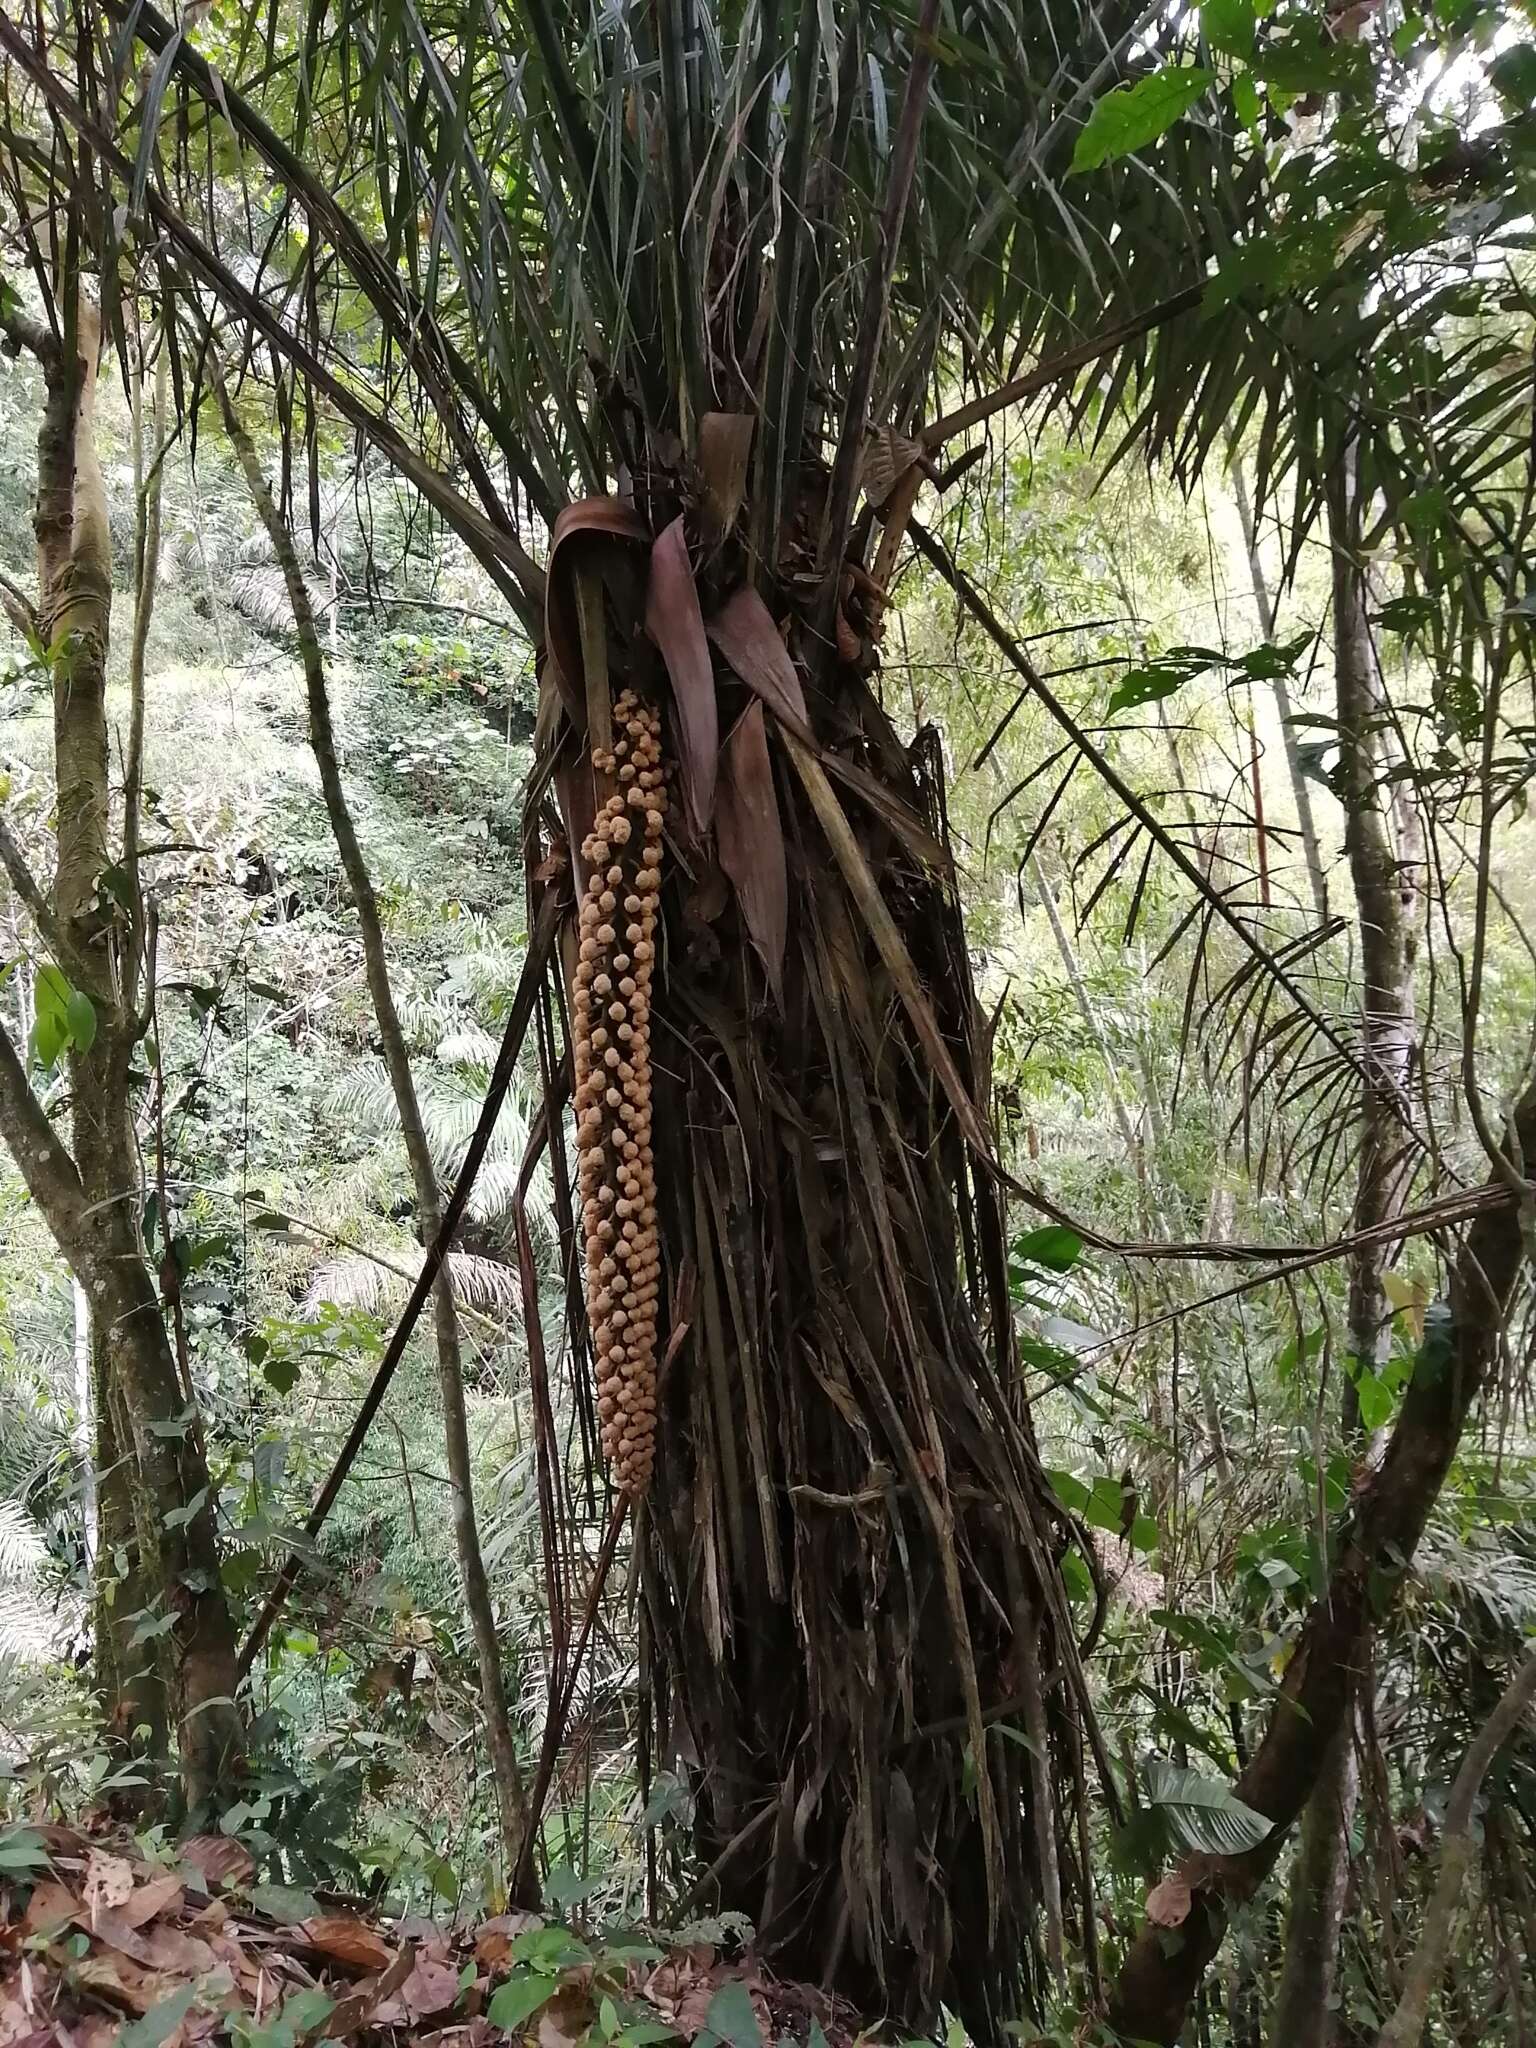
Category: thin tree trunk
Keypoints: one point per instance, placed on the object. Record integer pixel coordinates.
(85, 1426)
(1209, 1406)
(510, 1791)
(1458, 1851)
(152, 1473)
(1302, 2016)
(1320, 1876)
(1301, 795)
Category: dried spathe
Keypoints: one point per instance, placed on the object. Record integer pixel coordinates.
(617, 951)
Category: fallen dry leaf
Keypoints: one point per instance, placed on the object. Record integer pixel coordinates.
(365, 2003)
(162, 1894)
(494, 1937)
(111, 1928)
(220, 1858)
(566, 2018)
(168, 1948)
(108, 1882)
(50, 1905)
(119, 1982)
(346, 1939)
(431, 1988)
(1168, 1903)
(58, 1839)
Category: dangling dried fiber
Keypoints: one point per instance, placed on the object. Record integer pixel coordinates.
(613, 1088)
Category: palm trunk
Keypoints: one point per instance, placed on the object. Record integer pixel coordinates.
(510, 1793)
(846, 1553)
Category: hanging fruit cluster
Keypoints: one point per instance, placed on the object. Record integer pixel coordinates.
(613, 1086)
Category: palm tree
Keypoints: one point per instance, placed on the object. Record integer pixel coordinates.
(705, 274)
(694, 290)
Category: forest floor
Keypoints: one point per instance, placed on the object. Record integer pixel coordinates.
(100, 1945)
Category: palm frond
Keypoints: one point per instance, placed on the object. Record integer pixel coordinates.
(349, 1281)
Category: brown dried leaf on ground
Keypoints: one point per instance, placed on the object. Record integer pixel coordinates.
(220, 1858)
(108, 1882)
(50, 1905)
(431, 1988)
(348, 1940)
(162, 1894)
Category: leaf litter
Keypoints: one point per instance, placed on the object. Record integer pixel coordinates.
(100, 1946)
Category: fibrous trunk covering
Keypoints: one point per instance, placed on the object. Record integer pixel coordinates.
(859, 1653)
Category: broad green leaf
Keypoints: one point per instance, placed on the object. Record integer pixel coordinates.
(1310, 61)
(178, 1518)
(281, 1374)
(1144, 1534)
(1076, 1576)
(306, 2010)
(162, 2020)
(1513, 75)
(22, 1851)
(1291, 1357)
(51, 992)
(1376, 1400)
(1070, 1491)
(1131, 116)
(1230, 26)
(1154, 681)
(1106, 1504)
(520, 1998)
(49, 1036)
(731, 2019)
(284, 1904)
(550, 1950)
(1201, 1813)
(1052, 1246)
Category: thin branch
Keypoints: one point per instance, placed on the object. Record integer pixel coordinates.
(18, 331)
(18, 608)
(53, 930)
(511, 1794)
(39, 1152)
